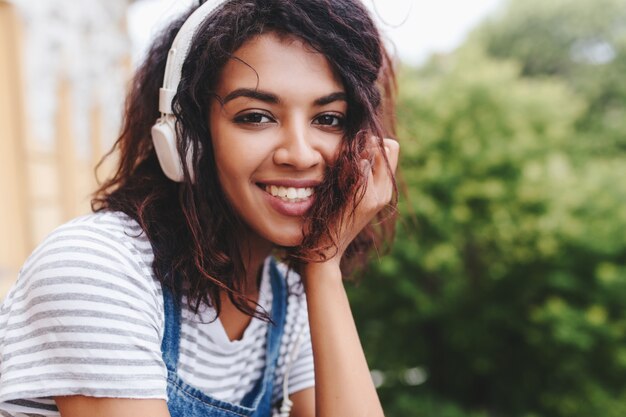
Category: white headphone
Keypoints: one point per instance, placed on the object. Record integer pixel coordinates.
(164, 134)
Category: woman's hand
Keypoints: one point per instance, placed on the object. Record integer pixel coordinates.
(378, 193)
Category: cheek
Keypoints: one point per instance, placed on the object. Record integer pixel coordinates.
(235, 149)
(233, 174)
(331, 152)
(330, 147)
(237, 170)
(240, 160)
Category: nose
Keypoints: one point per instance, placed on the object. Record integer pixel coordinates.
(296, 148)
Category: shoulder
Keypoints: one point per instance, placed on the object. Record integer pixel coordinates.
(102, 258)
(113, 235)
(106, 247)
(87, 290)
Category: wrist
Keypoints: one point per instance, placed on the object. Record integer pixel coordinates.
(316, 272)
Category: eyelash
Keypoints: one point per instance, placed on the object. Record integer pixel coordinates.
(244, 118)
(337, 122)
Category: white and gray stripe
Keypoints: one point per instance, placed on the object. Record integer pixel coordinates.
(86, 317)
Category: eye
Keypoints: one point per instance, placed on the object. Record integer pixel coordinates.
(329, 120)
(253, 118)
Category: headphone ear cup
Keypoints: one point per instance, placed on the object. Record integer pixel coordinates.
(164, 140)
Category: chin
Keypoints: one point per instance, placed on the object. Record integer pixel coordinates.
(288, 241)
(283, 233)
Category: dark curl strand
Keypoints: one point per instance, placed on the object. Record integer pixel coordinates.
(190, 224)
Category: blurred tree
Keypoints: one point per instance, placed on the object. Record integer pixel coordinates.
(507, 283)
(582, 42)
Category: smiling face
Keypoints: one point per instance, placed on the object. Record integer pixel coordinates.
(279, 126)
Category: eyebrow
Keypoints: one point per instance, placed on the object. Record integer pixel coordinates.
(274, 99)
(338, 96)
(250, 93)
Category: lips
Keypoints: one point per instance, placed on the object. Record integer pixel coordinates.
(289, 194)
(291, 198)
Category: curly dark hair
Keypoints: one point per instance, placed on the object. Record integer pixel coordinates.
(190, 224)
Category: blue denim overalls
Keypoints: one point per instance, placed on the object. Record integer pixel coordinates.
(187, 401)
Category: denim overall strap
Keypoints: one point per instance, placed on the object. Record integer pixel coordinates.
(171, 332)
(262, 403)
(185, 400)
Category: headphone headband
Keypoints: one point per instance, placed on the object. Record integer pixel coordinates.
(178, 53)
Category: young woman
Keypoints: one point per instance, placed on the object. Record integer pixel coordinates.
(253, 132)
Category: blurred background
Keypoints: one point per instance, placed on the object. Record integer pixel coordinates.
(505, 293)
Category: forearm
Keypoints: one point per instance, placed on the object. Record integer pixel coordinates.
(81, 406)
(343, 385)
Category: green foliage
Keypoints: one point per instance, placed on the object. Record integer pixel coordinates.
(582, 42)
(408, 405)
(507, 283)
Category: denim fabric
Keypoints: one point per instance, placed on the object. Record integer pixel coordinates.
(185, 400)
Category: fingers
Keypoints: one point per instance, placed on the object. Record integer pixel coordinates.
(392, 149)
(383, 180)
(379, 178)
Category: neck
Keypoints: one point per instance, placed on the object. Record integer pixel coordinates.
(254, 250)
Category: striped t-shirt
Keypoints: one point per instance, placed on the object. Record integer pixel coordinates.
(85, 317)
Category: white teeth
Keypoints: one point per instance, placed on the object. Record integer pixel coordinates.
(292, 194)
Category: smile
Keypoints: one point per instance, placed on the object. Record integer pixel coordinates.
(289, 194)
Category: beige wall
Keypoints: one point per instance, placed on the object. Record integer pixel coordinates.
(14, 227)
(40, 187)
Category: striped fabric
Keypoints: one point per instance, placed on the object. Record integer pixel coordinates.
(86, 317)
